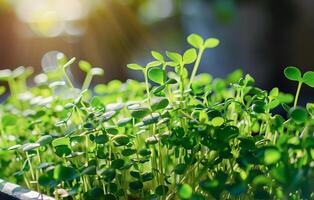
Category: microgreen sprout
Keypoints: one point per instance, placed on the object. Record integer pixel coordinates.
(174, 136)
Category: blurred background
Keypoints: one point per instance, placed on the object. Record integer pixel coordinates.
(260, 37)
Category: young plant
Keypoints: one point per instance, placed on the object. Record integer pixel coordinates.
(170, 137)
(294, 74)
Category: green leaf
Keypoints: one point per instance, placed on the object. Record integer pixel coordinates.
(123, 122)
(195, 40)
(308, 78)
(151, 118)
(117, 164)
(159, 103)
(63, 173)
(85, 66)
(310, 108)
(175, 57)
(293, 73)
(161, 190)
(8, 120)
(47, 181)
(157, 75)
(120, 140)
(140, 112)
(180, 168)
(189, 56)
(62, 150)
(227, 133)
(135, 67)
(211, 43)
(299, 115)
(153, 64)
(158, 56)
(69, 63)
(185, 191)
(271, 155)
(89, 170)
(148, 176)
(100, 89)
(136, 185)
(96, 102)
(61, 141)
(31, 146)
(101, 139)
(109, 174)
(279, 174)
(274, 93)
(44, 140)
(217, 121)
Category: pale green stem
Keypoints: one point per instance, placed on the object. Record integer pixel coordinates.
(30, 166)
(87, 81)
(297, 94)
(68, 78)
(145, 71)
(196, 65)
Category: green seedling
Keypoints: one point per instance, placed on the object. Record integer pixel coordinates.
(294, 74)
(174, 136)
(90, 72)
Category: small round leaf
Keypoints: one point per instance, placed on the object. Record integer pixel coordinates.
(195, 40)
(211, 43)
(135, 66)
(293, 73)
(308, 78)
(157, 75)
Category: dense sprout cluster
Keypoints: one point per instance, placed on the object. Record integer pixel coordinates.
(175, 136)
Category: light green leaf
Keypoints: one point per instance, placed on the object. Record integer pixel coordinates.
(175, 57)
(293, 73)
(135, 67)
(308, 78)
(158, 56)
(85, 66)
(189, 56)
(274, 93)
(61, 141)
(271, 156)
(195, 40)
(153, 64)
(217, 121)
(185, 191)
(211, 43)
